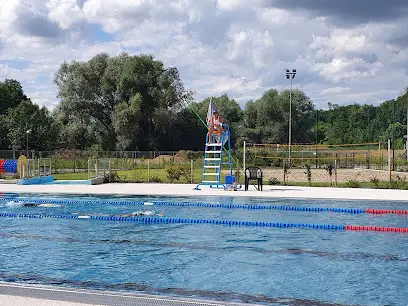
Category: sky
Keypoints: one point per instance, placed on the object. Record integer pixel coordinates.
(344, 51)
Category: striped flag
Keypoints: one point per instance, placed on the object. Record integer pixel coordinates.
(210, 111)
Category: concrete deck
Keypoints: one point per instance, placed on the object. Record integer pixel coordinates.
(187, 190)
(36, 295)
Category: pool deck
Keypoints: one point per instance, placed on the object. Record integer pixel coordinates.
(153, 189)
(38, 295)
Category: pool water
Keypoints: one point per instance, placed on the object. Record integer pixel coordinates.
(68, 182)
(280, 266)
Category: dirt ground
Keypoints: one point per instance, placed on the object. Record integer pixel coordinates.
(343, 175)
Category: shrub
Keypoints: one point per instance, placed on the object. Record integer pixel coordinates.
(398, 183)
(375, 181)
(173, 172)
(186, 172)
(330, 169)
(308, 174)
(353, 184)
(274, 181)
(112, 178)
(155, 179)
(286, 168)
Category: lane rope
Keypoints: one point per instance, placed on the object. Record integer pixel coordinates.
(211, 205)
(155, 220)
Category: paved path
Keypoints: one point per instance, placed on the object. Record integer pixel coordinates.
(153, 189)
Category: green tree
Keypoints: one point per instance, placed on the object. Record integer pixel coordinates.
(267, 119)
(126, 118)
(29, 116)
(11, 94)
(93, 89)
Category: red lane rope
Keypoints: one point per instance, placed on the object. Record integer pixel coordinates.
(386, 211)
(375, 228)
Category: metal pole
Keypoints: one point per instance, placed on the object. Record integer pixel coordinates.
(393, 138)
(243, 159)
(290, 117)
(89, 169)
(192, 163)
(389, 159)
(406, 142)
(27, 144)
(148, 171)
(335, 171)
(110, 171)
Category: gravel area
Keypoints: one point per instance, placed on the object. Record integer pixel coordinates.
(343, 175)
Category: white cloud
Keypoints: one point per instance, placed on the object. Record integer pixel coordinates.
(64, 12)
(219, 46)
(334, 90)
(116, 15)
(8, 15)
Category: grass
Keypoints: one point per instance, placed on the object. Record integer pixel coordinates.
(136, 175)
(159, 175)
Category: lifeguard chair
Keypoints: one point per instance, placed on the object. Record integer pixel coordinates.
(215, 160)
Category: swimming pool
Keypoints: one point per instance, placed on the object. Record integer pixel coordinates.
(269, 265)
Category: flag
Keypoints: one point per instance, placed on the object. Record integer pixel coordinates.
(210, 111)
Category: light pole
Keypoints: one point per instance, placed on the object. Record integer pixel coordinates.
(406, 142)
(27, 133)
(290, 76)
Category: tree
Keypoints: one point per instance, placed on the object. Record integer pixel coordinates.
(267, 119)
(28, 116)
(11, 94)
(126, 118)
(93, 89)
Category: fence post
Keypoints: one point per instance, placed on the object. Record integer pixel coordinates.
(192, 173)
(389, 160)
(238, 171)
(110, 171)
(243, 159)
(89, 169)
(148, 171)
(335, 172)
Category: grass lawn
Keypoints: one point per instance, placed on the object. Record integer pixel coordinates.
(159, 175)
(136, 175)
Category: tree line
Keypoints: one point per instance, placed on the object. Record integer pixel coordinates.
(136, 103)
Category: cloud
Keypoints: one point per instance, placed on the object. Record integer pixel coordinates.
(346, 12)
(65, 13)
(343, 51)
(334, 90)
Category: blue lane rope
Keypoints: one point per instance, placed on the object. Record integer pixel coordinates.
(154, 220)
(211, 205)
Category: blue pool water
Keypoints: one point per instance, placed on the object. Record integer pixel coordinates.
(68, 182)
(280, 266)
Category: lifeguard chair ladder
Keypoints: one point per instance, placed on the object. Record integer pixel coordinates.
(213, 159)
